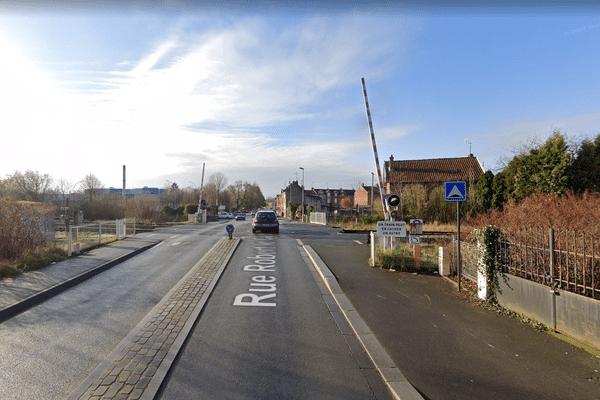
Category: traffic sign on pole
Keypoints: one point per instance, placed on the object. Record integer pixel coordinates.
(456, 191)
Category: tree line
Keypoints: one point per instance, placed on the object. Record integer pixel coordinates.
(34, 186)
(555, 167)
(559, 166)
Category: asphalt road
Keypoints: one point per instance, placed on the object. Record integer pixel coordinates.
(47, 351)
(267, 333)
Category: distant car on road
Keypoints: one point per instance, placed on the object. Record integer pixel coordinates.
(240, 217)
(224, 215)
(265, 221)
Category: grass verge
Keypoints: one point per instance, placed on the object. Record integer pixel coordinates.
(403, 260)
(32, 261)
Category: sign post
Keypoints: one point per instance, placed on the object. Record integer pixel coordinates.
(414, 238)
(229, 228)
(457, 191)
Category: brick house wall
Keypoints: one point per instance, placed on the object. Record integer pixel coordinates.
(362, 195)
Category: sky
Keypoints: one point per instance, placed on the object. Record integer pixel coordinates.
(257, 91)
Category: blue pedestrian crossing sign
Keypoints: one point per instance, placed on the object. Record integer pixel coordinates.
(456, 191)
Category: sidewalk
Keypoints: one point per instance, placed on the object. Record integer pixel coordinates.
(448, 348)
(25, 291)
(136, 368)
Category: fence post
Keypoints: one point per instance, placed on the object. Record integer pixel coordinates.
(553, 290)
(69, 242)
(99, 233)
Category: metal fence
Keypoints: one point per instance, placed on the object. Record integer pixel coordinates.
(566, 260)
(75, 238)
(318, 218)
(469, 259)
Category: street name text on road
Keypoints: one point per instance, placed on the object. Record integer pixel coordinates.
(264, 262)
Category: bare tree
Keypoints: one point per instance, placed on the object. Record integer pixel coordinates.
(30, 186)
(218, 180)
(60, 192)
(236, 194)
(91, 186)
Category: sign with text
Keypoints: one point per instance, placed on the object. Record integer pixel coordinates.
(391, 228)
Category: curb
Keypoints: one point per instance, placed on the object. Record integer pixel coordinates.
(38, 298)
(398, 385)
(154, 381)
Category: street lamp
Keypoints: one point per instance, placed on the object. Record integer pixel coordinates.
(302, 194)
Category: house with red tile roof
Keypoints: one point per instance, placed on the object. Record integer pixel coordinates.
(430, 173)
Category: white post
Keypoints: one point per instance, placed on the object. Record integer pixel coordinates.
(482, 278)
(99, 233)
(372, 249)
(444, 263)
(69, 242)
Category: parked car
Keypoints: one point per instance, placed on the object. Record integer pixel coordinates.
(224, 215)
(240, 217)
(265, 221)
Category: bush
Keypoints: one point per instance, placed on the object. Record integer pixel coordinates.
(106, 207)
(370, 219)
(8, 270)
(144, 210)
(167, 211)
(41, 258)
(570, 211)
(24, 228)
(191, 209)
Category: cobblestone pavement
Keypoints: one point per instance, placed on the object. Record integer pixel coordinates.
(137, 367)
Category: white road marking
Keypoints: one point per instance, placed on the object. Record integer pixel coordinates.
(358, 241)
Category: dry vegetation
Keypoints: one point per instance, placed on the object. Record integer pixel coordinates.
(571, 211)
(24, 239)
(23, 227)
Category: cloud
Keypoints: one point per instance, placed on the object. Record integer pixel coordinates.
(392, 133)
(244, 96)
(501, 142)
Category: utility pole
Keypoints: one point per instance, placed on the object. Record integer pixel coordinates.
(124, 185)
